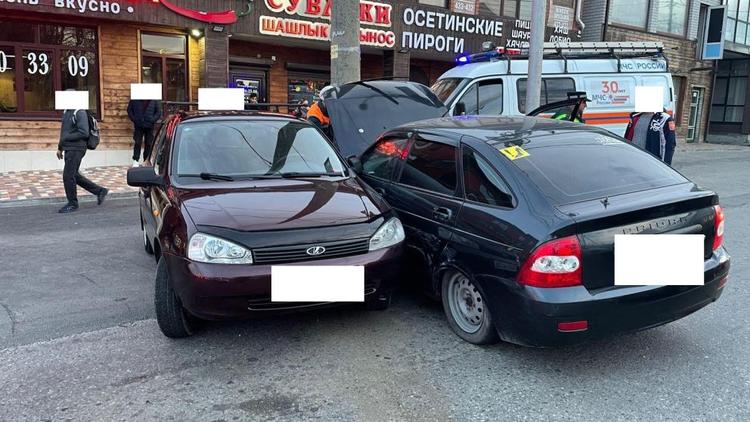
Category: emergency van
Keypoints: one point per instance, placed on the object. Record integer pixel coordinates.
(494, 82)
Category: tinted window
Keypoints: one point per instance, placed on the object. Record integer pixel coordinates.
(482, 183)
(431, 166)
(253, 148)
(612, 167)
(381, 160)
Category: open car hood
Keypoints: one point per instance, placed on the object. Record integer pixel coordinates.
(361, 111)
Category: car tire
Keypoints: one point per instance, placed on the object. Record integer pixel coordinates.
(146, 243)
(171, 316)
(379, 303)
(465, 309)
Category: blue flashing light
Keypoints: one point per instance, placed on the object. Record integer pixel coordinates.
(463, 59)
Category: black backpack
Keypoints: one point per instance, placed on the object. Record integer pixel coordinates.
(93, 140)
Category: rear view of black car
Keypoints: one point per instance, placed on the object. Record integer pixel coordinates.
(513, 222)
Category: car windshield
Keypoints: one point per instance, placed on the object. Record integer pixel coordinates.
(445, 87)
(612, 167)
(253, 148)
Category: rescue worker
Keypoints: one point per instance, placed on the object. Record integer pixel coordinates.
(318, 115)
(653, 132)
(577, 110)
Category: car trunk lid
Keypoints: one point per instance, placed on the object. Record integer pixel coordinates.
(678, 209)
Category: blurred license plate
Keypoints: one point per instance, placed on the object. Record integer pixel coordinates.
(659, 259)
(317, 283)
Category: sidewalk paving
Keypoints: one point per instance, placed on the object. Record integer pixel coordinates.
(27, 187)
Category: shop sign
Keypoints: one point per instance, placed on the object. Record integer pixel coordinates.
(370, 14)
(468, 7)
(429, 22)
(81, 6)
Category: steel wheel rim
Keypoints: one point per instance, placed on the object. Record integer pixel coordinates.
(145, 238)
(466, 304)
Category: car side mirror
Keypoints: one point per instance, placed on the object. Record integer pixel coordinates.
(143, 177)
(355, 163)
(459, 109)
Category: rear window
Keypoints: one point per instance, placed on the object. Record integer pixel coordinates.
(581, 166)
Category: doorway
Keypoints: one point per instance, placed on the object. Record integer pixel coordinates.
(696, 108)
(252, 81)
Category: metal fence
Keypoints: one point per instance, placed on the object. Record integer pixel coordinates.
(171, 107)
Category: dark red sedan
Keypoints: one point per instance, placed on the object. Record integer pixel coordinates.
(231, 195)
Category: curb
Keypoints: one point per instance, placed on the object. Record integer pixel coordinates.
(62, 200)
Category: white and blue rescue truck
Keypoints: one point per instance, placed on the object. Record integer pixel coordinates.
(494, 82)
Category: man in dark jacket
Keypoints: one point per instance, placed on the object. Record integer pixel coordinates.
(654, 132)
(74, 134)
(144, 114)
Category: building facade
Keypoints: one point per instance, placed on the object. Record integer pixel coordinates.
(278, 49)
(678, 25)
(730, 119)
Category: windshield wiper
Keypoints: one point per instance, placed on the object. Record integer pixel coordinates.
(294, 174)
(210, 176)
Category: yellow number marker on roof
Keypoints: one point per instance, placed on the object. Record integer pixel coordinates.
(515, 152)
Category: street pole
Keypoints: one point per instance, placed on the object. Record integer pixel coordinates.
(345, 53)
(536, 53)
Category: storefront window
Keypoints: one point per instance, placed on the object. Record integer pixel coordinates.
(163, 60)
(629, 12)
(305, 89)
(50, 58)
(728, 104)
(520, 9)
(671, 16)
(8, 92)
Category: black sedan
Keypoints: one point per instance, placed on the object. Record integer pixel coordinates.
(512, 220)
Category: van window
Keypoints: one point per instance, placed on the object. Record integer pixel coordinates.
(444, 88)
(553, 89)
(484, 97)
(431, 166)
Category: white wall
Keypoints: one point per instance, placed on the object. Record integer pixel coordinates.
(46, 160)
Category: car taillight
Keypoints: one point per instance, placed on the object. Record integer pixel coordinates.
(556, 263)
(718, 227)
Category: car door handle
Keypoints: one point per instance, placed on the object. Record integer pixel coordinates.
(442, 213)
(380, 191)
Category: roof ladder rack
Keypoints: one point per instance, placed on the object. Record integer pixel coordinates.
(612, 47)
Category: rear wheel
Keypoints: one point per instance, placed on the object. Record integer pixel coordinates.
(172, 318)
(146, 243)
(466, 310)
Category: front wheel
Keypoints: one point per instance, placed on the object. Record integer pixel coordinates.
(466, 309)
(172, 318)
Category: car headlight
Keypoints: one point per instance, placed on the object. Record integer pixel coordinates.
(389, 234)
(210, 249)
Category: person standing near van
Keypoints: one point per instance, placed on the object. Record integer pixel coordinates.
(653, 132)
(74, 134)
(144, 114)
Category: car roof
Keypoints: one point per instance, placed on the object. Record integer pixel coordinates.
(535, 131)
(230, 114)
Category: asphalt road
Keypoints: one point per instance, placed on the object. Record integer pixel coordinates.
(78, 341)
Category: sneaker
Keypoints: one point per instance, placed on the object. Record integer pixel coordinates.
(68, 208)
(136, 163)
(102, 194)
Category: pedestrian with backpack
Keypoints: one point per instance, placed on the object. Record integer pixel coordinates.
(78, 132)
(144, 114)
